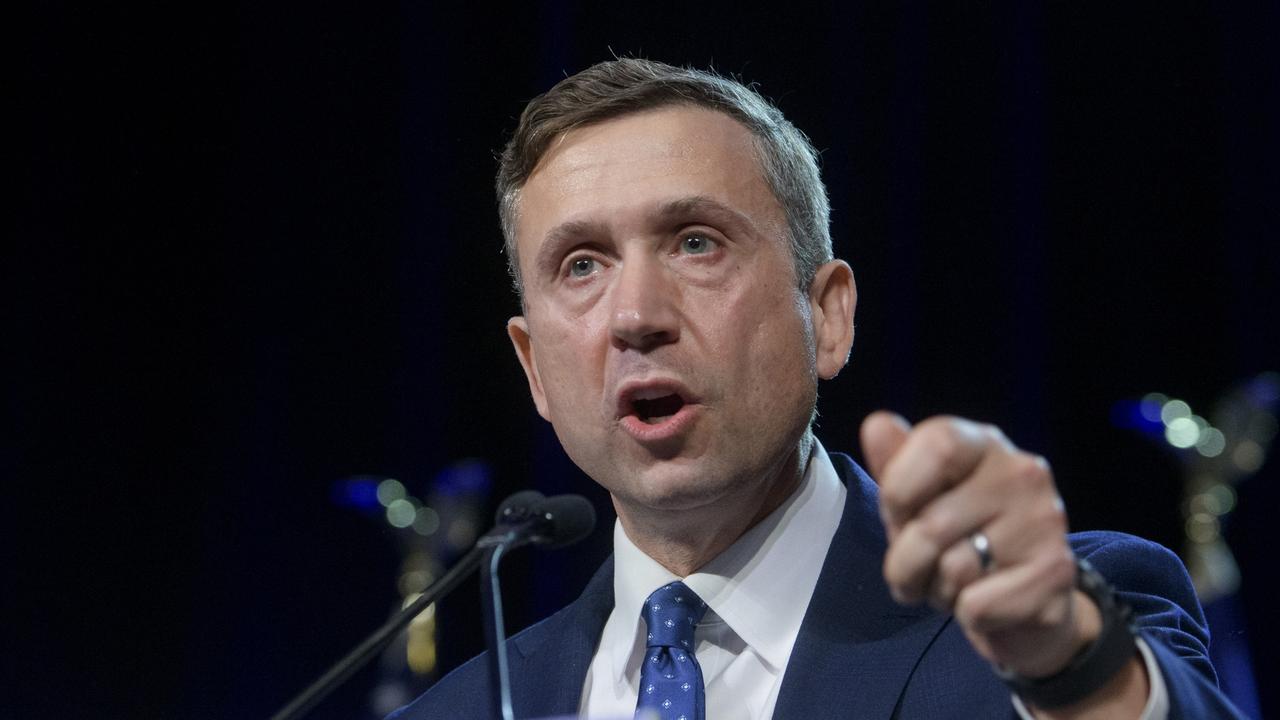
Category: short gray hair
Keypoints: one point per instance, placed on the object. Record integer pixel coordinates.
(619, 87)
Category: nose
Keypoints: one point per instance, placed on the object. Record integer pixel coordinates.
(644, 312)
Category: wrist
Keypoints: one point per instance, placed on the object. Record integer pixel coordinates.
(1105, 644)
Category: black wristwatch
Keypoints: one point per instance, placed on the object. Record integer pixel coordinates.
(1093, 666)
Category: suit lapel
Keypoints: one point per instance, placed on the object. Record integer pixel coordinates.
(853, 657)
(551, 659)
(857, 647)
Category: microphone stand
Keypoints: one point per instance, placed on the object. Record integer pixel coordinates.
(556, 522)
(495, 632)
(381, 637)
(496, 544)
(526, 517)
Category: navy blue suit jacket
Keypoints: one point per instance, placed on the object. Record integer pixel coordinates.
(859, 654)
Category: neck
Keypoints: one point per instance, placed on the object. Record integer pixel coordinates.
(684, 541)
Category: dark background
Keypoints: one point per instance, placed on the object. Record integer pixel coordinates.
(254, 251)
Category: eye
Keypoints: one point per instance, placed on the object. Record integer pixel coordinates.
(581, 267)
(696, 244)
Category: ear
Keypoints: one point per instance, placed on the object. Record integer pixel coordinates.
(518, 331)
(833, 296)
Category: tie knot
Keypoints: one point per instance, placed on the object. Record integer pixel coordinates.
(672, 612)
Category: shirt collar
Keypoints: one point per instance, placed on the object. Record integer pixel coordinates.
(760, 586)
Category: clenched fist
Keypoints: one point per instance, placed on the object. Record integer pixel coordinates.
(976, 528)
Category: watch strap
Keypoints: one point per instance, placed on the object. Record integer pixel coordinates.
(1094, 665)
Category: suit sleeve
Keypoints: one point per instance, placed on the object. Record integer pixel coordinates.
(1154, 582)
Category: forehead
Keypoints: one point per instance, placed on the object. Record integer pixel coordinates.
(614, 170)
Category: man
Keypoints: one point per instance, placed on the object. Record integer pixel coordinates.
(667, 232)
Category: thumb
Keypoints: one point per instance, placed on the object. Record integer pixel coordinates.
(882, 433)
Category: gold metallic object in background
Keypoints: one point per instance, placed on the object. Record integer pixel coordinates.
(1217, 455)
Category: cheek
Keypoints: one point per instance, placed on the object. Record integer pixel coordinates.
(781, 354)
(569, 368)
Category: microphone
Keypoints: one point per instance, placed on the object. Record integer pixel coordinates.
(517, 506)
(527, 517)
(523, 518)
(566, 520)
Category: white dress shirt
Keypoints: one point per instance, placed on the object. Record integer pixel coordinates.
(757, 592)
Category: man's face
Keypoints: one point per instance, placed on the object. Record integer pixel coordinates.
(664, 336)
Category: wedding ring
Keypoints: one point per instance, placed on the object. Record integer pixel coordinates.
(982, 545)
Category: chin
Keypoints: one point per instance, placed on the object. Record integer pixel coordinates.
(672, 489)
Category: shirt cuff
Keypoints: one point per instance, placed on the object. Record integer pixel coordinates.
(1157, 707)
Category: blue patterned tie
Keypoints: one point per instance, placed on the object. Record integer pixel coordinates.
(670, 679)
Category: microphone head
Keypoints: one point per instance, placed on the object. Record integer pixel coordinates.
(566, 520)
(517, 507)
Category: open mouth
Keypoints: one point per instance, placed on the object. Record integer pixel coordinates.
(654, 402)
(653, 411)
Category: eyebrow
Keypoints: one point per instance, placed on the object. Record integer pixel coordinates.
(702, 205)
(565, 234)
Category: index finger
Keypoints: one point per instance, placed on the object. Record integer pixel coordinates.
(938, 454)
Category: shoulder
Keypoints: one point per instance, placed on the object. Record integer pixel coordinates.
(466, 691)
(466, 687)
(569, 634)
